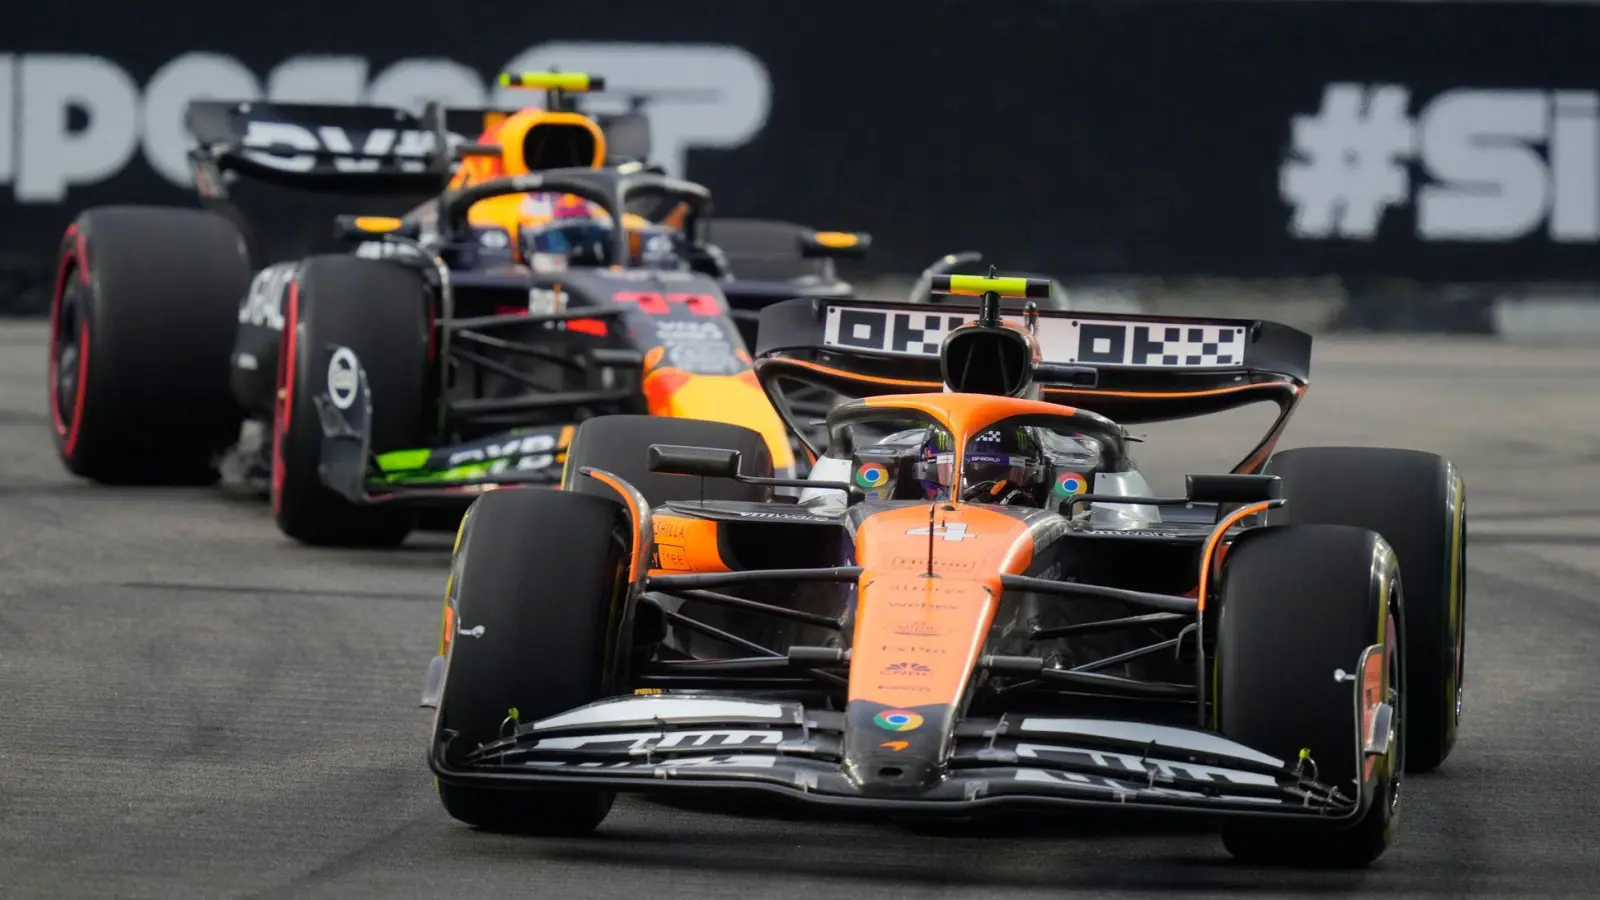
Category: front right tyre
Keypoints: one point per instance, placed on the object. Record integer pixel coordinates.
(1418, 502)
(1298, 607)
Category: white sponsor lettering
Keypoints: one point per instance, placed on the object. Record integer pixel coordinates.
(713, 95)
(50, 155)
(276, 144)
(644, 275)
(722, 761)
(670, 332)
(385, 250)
(705, 359)
(263, 303)
(534, 446)
(954, 531)
(1137, 533)
(1160, 769)
(343, 378)
(1500, 165)
(1062, 339)
(701, 347)
(637, 741)
(542, 301)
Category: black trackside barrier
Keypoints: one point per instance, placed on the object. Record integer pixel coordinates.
(1219, 148)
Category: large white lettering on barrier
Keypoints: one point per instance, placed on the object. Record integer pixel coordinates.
(71, 119)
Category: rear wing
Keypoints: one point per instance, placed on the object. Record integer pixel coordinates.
(1131, 368)
(351, 149)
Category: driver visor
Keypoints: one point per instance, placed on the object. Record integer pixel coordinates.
(981, 467)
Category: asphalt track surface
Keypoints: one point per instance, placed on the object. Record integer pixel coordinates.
(190, 706)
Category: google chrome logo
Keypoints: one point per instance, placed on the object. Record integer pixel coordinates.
(872, 475)
(897, 720)
(1071, 484)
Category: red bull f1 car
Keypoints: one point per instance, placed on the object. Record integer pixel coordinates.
(976, 603)
(546, 280)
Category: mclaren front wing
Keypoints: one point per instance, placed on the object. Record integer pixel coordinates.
(643, 743)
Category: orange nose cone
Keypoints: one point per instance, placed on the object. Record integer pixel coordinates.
(720, 398)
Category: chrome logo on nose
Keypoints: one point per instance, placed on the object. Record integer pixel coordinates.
(897, 720)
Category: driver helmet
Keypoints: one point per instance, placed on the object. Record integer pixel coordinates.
(1003, 465)
(580, 233)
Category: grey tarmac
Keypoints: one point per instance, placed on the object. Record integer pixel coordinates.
(195, 707)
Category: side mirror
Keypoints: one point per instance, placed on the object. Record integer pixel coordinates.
(835, 244)
(371, 228)
(1071, 376)
(477, 151)
(706, 462)
(1233, 488)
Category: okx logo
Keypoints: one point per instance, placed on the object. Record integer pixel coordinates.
(70, 119)
(1496, 165)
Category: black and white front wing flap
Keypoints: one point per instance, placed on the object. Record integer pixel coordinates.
(705, 742)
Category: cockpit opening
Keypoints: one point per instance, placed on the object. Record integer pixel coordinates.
(558, 146)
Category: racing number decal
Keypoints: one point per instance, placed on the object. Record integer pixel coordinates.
(661, 304)
(955, 531)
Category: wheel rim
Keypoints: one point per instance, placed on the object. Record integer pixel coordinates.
(67, 352)
(68, 356)
(1396, 699)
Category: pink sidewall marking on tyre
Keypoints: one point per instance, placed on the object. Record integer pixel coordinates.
(75, 259)
(283, 401)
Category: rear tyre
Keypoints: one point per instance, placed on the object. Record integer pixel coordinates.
(1298, 604)
(540, 573)
(1417, 501)
(621, 444)
(142, 324)
(380, 311)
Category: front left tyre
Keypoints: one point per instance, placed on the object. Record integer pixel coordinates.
(379, 311)
(535, 584)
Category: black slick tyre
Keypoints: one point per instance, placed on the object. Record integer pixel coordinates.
(1417, 501)
(621, 445)
(379, 310)
(540, 572)
(142, 322)
(1298, 605)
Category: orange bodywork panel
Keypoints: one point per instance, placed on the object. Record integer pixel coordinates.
(684, 545)
(917, 637)
(734, 399)
(511, 133)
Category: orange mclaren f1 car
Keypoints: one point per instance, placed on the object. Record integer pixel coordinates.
(975, 603)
